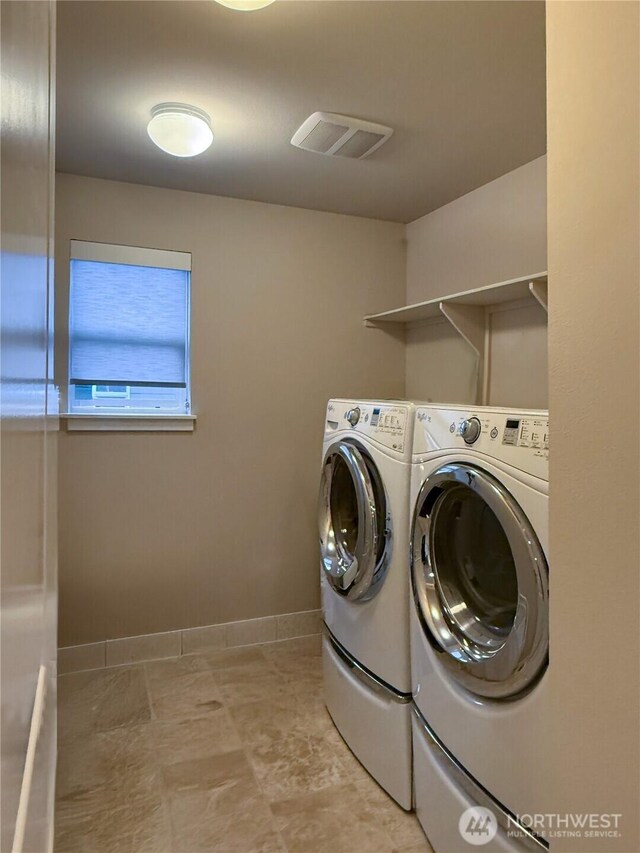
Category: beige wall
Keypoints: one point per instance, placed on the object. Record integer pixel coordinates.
(594, 228)
(495, 233)
(162, 531)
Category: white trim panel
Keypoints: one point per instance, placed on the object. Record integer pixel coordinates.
(82, 250)
(129, 423)
(27, 777)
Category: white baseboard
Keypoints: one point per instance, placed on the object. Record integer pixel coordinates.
(169, 644)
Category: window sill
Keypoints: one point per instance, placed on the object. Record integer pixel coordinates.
(129, 423)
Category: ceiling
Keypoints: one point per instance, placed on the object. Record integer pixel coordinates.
(462, 84)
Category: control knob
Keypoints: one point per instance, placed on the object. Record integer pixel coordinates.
(353, 416)
(470, 430)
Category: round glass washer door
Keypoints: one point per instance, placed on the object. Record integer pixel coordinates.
(480, 581)
(352, 518)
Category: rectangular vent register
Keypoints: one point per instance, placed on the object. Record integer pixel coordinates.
(340, 136)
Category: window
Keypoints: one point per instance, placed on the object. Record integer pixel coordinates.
(128, 330)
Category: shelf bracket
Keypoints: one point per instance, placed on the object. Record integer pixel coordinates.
(540, 292)
(470, 321)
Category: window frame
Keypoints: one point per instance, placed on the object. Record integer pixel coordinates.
(118, 418)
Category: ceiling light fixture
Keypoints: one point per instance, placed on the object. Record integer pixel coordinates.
(180, 129)
(245, 5)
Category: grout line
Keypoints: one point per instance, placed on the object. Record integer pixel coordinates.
(152, 710)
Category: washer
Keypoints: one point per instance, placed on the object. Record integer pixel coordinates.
(364, 550)
(479, 619)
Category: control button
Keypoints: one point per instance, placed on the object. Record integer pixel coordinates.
(494, 432)
(470, 430)
(353, 416)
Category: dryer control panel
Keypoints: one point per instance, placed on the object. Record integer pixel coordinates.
(517, 437)
(526, 432)
(388, 423)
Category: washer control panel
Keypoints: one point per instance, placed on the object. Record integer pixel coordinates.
(526, 432)
(388, 420)
(520, 438)
(390, 424)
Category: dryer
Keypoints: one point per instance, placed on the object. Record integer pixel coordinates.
(364, 550)
(479, 620)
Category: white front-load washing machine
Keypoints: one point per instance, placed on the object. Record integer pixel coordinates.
(479, 624)
(364, 551)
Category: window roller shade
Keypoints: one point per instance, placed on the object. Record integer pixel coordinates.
(128, 324)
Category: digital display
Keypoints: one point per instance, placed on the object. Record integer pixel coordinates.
(513, 424)
(374, 417)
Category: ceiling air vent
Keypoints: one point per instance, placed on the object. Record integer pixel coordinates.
(342, 136)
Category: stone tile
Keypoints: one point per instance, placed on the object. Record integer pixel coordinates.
(355, 772)
(161, 670)
(203, 823)
(139, 827)
(420, 847)
(251, 631)
(330, 821)
(251, 683)
(191, 695)
(227, 658)
(148, 647)
(305, 683)
(116, 765)
(401, 826)
(310, 701)
(298, 624)
(79, 658)
(108, 795)
(229, 815)
(262, 723)
(101, 700)
(216, 805)
(299, 763)
(203, 639)
(244, 758)
(300, 651)
(299, 661)
(226, 770)
(183, 740)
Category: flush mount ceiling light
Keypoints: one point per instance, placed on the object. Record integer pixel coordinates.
(245, 5)
(180, 129)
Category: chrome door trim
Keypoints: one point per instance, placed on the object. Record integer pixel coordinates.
(478, 794)
(488, 664)
(355, 576)
(363, 674)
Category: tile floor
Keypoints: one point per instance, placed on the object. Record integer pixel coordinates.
(229, 751)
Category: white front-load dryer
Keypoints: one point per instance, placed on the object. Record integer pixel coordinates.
(479, 622)
(364, 551)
